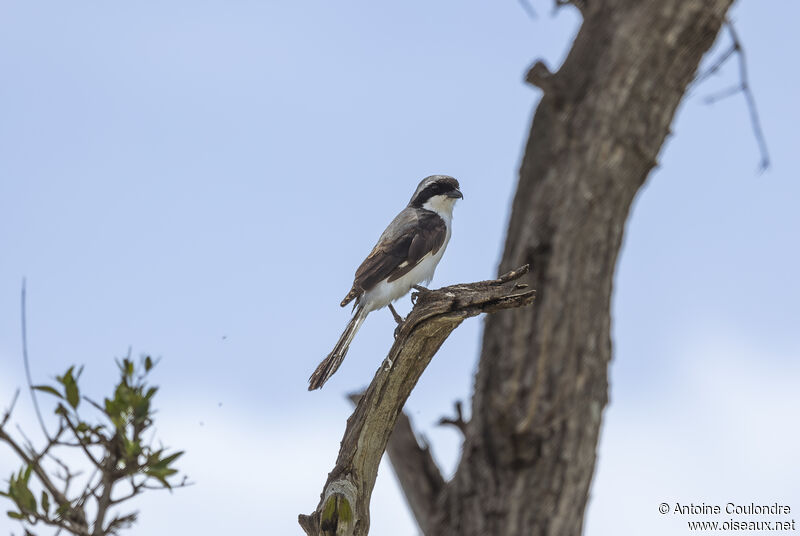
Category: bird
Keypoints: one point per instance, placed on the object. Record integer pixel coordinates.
(405, 256)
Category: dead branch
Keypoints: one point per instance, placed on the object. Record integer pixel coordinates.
(27, 362)
(416, 470)
(736, 48)
(457, 421)
(343, 508)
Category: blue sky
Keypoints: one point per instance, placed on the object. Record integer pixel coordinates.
(199, 180)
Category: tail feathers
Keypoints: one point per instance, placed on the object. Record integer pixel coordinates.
(329, 365)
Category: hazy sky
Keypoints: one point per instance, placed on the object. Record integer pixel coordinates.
(199, 180)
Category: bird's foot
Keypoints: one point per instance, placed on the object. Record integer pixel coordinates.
(388, 364)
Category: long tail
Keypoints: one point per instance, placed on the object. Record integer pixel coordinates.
(329, 365)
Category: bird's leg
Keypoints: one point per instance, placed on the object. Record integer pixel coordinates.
(420, 288)
(397, 317)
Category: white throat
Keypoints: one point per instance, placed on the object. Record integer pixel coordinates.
(441, 205)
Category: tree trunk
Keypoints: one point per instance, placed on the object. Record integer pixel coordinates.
(529, 450)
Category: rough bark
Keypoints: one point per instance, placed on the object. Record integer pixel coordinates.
(541, 386)
(343, 508)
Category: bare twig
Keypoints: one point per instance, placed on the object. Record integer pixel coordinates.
(7, 414)
(743, 87)
(717, 65)
(27, 362)
(457, 421)
(37, 468)
(68, 473)
(83, 445)
(750, 98)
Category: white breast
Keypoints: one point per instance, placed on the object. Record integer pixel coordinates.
(385, 293)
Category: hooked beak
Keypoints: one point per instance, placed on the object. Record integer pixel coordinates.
(456, 194)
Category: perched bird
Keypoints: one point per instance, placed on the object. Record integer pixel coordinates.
(406, 255)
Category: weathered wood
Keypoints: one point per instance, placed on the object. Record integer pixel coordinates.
(416, 470)
(529, 454)
(343, 508)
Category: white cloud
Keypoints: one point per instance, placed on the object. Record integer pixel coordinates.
(726, 432)
(255, 474)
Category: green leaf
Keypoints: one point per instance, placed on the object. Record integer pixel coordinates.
(132, 448)
(45, 502)
(73, 397)
(126, 368)
(27, 475)
(148, 363)
(66, 377)
(141, 409)
(24, 497)
(48, 389)
(14, 515)
(169, 459)
(161, 475)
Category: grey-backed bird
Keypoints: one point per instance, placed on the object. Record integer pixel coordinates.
(406, 255)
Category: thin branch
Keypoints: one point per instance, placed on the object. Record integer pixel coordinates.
(104, 501)
(90, 490)
(717, 65)
(743, 86)
(182, 484)
(83, 445)
(457, 421)
(27, 444)
(62, 524)
(95, 404)
(120, 522)
(27, 362)
(68, 474)
(37, 468)
(137, 487)
(7, 414)
(721, 95)
(750, 98)
(343, 508)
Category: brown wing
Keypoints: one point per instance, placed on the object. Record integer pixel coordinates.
(412, 234)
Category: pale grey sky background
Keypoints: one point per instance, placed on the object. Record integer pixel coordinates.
(171, 174)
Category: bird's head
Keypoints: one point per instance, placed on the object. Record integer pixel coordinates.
(438, 193)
